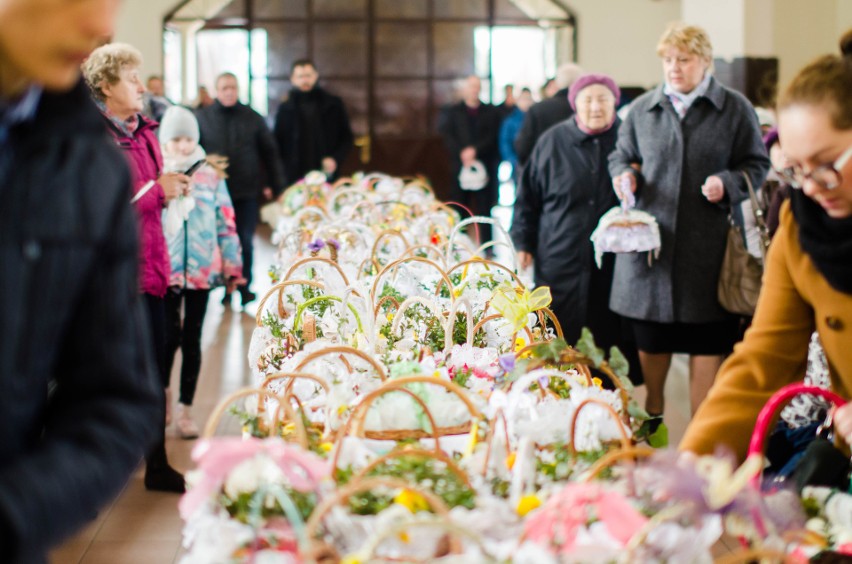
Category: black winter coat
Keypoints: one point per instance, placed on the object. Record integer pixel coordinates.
(70, 313)
(538, 119)
(241, 134)
(454, 127)
(564, 191)
(334, 138)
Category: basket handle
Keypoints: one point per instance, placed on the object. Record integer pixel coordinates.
(767, 415)
(343, 350)
(356, 419)
(625, 439)
(219, 410)
(322, 260)
(437, 455)
(444, 278)
(278, 288)
(354, 488)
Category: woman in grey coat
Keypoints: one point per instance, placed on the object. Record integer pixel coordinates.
(683, 150)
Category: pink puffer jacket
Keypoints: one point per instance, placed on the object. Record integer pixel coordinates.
(146, 164)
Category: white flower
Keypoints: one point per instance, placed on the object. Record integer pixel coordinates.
(249, 475)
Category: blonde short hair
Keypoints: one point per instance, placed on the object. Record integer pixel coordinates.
(105, 63)
(689, 38)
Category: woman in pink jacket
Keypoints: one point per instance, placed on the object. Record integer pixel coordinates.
(112, 72)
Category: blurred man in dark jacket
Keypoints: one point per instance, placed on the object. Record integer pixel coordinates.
(311, 127)
(71, 320)
(236, 131)
(547, 113)
(470, 130)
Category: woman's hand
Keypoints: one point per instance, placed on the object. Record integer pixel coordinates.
(174, 184)
(843, 422)
(713, 189)
(624, 180)
(525, 259)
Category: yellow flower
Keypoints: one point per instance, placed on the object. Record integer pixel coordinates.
(390, 317)
(326, 446)
(403, 537)
(520, 343)
(474, 438)
(341, 410)
(412, 500)
(351, 559)
(510, 460)
(597, 382)
(527, 504)
(436, 374)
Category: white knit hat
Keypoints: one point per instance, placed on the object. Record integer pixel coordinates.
(178, 122)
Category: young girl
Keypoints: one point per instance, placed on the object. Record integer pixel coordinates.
(203, 248)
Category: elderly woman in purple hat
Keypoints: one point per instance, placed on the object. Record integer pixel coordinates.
(565, 188)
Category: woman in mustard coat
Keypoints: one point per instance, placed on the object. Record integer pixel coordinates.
(808, 279)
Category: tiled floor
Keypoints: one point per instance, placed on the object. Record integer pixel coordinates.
(142, 527)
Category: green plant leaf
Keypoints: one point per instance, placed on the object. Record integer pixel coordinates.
(660, 438)
(550, 350)
(586, 345)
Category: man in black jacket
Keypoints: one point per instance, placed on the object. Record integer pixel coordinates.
(547, 113)
(236, 131)
(470, 129)
(79, 405)
(311, 127)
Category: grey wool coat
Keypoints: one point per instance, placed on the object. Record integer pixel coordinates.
(718, 136)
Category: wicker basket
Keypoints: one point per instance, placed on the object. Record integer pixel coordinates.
(356, 420)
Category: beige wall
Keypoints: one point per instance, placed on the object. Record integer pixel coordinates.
(619, 37)
(140, 23)
(805, 30)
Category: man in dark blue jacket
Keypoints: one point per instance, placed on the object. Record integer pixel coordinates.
(79, 405)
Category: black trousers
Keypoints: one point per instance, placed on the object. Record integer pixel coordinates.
(186, 335)
(246, 215)
(156, 459)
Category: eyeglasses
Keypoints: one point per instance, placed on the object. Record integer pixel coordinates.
(827, 175)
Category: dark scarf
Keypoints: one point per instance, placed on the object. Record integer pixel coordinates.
(826, 240)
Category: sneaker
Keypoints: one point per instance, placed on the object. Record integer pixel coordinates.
(248, 296)
(186, 427)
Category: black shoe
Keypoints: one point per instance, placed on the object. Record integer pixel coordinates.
(226, 300)
(165, 479)
(654, 423)
(248, 296)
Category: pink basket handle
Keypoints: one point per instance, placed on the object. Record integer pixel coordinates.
(778, 400)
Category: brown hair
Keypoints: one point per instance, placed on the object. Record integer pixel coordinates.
(826, 81)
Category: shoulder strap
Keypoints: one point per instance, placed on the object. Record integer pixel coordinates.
(762, 230)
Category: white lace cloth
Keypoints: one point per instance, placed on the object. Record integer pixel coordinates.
(806, 409)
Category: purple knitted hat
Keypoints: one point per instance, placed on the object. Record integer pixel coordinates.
(770, 138)
(588, 80)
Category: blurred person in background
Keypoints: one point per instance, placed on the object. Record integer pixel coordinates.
(311, 126)
(234, 130)
(547, 113)
(565, 189)
(470, 129)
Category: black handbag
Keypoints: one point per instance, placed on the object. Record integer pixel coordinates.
(741, 274)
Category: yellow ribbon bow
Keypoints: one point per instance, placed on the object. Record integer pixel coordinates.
(515, 305)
